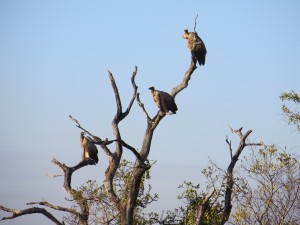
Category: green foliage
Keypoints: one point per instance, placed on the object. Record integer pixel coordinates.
(269, 188)
(289, 109)
(266, 191)
(193, 197)
(101, 209)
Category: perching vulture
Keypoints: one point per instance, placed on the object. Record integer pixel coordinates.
(164, 101)
(196, 46)
(90, 150)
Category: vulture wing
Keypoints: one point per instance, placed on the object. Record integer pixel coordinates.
(90, 150)
(200, 51)
(197, 47)
(93, 151)
(156, 97)
(168, 102)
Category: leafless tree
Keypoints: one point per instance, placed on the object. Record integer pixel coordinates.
(114, 151)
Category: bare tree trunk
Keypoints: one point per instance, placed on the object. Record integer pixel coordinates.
(141, 167)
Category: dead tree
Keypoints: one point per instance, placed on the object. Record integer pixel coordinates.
(200, 212)
(126, 206)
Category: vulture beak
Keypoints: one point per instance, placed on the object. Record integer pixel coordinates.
(151, 88)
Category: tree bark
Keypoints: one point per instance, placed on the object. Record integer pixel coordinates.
(141, 167)
(33, 210)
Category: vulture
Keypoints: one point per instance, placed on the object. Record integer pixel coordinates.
(196, 46)
(90, 151)
(164, 101)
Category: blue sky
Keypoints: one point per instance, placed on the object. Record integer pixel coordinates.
(54, 58)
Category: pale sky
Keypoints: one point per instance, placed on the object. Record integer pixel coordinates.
(54, 58)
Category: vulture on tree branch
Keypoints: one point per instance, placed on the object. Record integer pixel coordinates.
(164, 101)
(90, 151)
(196, 46)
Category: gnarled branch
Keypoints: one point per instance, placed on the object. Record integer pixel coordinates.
(229, 173)
(115, 160)
(33, 210)
(135, 88)
(81, 201)
(117, 95)
(121, 115)
(200, 213)
(96, 140)
(139, 170)
(143, 108)
(185, 80)
(56, 207)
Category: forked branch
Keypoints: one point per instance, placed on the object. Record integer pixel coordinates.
(121, 115)
(68, 171)
(33, 210)
(229, 173)
(77, 195)
(200, 213)
(56, 207)
(135, 88)
(114, 161)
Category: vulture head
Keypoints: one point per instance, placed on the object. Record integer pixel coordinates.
(164, 101)
(152, 88)
(185, 34)
(81, 136)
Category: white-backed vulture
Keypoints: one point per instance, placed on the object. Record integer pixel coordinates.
(164, 101)
(196, 46)
(90, 150)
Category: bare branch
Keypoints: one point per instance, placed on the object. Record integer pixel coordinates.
(104, 143)
(120, 115)
(56, 207)
(75, 120)
(195, 26)
(80, 127)
(229, 173)
(115, 160)
(255, 144)
(133, 150)
(135, 88)
(77, 195)
(229, 145)
(238, 132)
(53, 175)
(68, 171)
(17, 213)
(96, 140)
(186, 79)
(117, 95)
(143, 108)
